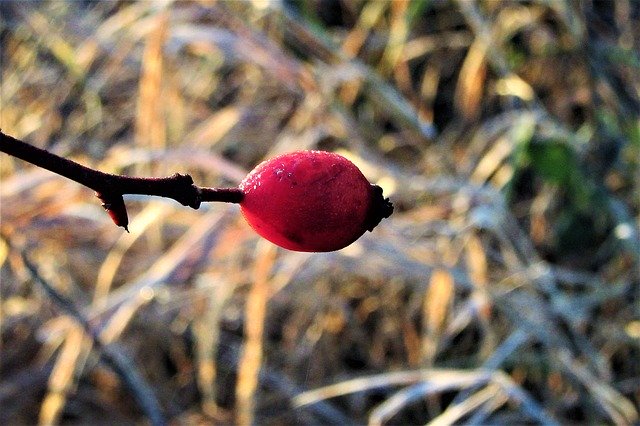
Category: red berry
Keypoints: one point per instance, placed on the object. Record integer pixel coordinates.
(311, 201)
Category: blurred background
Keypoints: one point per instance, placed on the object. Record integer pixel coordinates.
(504, 289)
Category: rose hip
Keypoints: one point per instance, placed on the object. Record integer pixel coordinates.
(311, 201)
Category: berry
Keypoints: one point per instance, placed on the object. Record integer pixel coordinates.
(311, 201)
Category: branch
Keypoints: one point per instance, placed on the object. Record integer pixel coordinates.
(110, 187)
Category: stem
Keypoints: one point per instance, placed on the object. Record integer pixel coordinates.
(110, 187)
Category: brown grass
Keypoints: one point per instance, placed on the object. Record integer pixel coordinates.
(504, 289)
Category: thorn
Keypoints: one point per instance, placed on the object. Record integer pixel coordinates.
(114, 205)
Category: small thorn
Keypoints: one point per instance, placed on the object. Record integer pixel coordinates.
(114, 205)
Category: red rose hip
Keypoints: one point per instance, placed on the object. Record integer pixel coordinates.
(311, 201)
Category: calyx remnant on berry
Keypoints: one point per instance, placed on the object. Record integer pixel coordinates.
(381, 208)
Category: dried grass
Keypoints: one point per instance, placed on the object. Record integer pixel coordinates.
(505, 288)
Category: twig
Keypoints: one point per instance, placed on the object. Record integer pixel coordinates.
(118, 361)
(110, 187)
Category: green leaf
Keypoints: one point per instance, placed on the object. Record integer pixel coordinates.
(416, 9)
(553, 161)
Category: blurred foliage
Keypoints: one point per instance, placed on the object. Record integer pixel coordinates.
(504, 289)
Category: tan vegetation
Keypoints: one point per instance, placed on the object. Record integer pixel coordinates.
(504, 289)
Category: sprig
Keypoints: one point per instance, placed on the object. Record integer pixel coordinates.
(110, 188)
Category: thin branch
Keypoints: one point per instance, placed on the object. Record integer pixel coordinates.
(110, 187)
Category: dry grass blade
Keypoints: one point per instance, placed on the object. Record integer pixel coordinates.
(251, 358)
(70, 360)
(435, 378)
(436, 306)
(488, 165)
(369, 16)
(498, 386)
(150, 123)
(398, 33)
(620, 409)
(490, 395)
(392, 405)
(471, 82)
